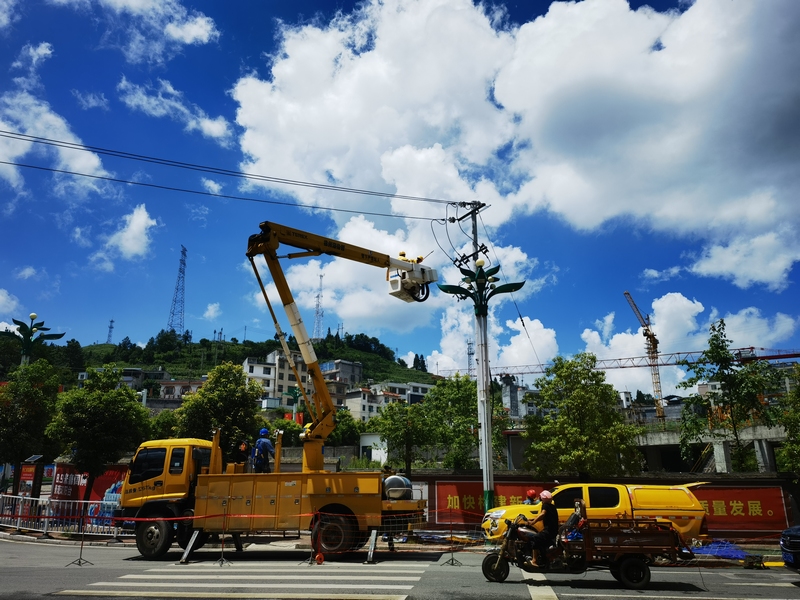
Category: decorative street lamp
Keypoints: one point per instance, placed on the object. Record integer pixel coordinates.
(295, 393)
(25, 333)
(479, 286)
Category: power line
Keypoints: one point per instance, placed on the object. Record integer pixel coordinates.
(208, 169)
(170, 188)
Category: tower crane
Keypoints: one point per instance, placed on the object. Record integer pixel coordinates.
(652, 354)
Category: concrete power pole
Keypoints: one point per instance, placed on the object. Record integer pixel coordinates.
(479, 286)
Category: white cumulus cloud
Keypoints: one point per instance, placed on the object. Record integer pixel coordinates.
(90, 100)
(25, 273)
(166, 101)
(149, 31)
(9, 303)
(212, 312)
(683, 122)
(131, 240)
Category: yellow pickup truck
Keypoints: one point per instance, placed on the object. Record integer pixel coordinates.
(673, 503)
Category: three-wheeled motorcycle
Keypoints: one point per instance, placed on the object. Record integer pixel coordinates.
(625, 547)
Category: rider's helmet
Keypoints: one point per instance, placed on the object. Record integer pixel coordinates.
(531, 494)
(545, 495)
(264, 432)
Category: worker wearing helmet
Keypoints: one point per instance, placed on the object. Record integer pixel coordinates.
(530, 497)
(547, 536)
(263, 450)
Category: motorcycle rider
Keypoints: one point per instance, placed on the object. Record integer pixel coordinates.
(547, 536)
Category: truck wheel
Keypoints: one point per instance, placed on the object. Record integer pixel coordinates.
(495, 568)
(634, 573)
(153, 538)
(185, 531)
(332, 534)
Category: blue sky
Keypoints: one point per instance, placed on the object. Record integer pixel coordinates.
(617, 147)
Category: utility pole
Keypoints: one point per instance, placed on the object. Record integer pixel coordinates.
(479, 292)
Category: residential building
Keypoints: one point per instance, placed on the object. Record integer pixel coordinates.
(341, 376)
(409, 392)
(362, 403)
(276, 377)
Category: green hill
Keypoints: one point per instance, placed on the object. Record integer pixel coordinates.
(184, 358)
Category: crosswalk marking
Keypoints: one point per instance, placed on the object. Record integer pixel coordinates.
(543, 592)
(264, 580)
(299, 586)
(240, 577)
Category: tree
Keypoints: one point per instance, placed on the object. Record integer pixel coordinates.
(451, 408)
(227, 400)
(164, 425)
(576, 428)
(738, 399)
(97, 424)
(27, 405)
(347, 432)
(404, 429)
(789, 452)
(74, 356)
(291, 431)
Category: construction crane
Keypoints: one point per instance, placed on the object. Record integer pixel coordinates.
(652, 354)
(740, 355)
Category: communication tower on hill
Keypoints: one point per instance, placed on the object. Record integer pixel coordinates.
(110, 329)
(175, 322)
(318, 312)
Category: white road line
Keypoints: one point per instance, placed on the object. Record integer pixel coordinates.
(303, 570)
(234, 595)
(767, 583)
(543, 592)
(250, 585)
(660, 596)
(240, 577)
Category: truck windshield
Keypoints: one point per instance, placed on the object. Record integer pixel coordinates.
(149, 463)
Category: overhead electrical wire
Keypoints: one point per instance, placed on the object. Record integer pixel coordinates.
(208, 169)
(212, 194)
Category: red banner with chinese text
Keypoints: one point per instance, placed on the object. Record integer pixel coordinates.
(461, 502)
(750, 509)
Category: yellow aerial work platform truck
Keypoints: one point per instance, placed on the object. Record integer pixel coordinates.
(178, 487)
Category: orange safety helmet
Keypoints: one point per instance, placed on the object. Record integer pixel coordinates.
(531, 494)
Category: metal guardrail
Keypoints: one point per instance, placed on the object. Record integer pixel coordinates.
(59, 516)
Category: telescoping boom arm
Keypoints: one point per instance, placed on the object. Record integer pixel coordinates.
(408, 280)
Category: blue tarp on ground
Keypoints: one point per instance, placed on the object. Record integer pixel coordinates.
(721, 549)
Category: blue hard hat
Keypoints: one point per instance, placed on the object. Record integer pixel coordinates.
(264, 431)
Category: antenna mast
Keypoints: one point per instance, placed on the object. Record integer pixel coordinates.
(175, 322)
(110, 329)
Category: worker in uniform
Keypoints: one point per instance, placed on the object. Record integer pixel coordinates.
(263, 450)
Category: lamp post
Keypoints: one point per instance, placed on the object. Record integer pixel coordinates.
(295, 393)
(26, 334)
(479, 286)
